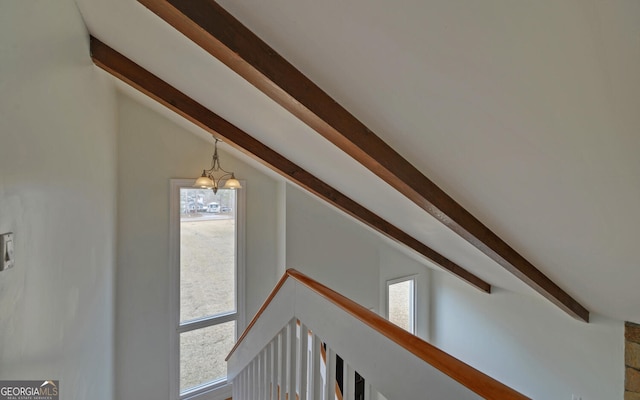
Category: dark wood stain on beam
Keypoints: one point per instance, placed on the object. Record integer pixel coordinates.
(218, 32)
(134, 75)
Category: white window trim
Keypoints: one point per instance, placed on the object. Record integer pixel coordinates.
(216, 390)
(414, 298)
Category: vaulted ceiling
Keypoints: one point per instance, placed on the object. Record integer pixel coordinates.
(527, 114)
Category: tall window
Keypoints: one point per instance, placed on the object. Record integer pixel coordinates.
(401, 301)
(206, 253)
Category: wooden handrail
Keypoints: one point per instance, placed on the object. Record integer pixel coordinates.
(461, 372)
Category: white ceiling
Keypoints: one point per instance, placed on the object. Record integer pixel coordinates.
(526, 113)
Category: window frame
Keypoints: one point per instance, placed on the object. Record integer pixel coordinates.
(213, 390)
(413, 323)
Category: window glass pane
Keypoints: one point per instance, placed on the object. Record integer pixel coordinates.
(400, 304)
(202, 354)
(207, 253)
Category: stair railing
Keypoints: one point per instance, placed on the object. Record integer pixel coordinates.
(290, 350)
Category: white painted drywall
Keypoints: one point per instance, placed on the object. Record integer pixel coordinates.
(528, 345)
(281, 213)
(151, 151)
(331, 248)
(57, 194)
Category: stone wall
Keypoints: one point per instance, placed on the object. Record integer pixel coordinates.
(632, 361)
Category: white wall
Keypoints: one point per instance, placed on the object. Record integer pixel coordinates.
(528, 343)
(151, 151)
(57, 194)
(331, 248)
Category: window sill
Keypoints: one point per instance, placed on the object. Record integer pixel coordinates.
(215, 391)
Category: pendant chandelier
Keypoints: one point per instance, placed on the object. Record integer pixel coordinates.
(208, 178)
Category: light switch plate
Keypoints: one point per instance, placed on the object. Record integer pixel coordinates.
(6, 251)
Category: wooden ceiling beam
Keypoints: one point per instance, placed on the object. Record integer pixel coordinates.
(139, 78)
(218, 32)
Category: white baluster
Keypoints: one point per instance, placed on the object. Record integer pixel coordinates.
(367, 391)
(331, 374)
(234, 388)
(248, 380)
(304, 361)
(348, 382)
(298, 358)
(346, 387)
(274, 368)
(267, 372)
(292, 368)
(240, 386)
(318, 366)
(246, 384)
(282, 370)
(261, 376)
(254, 379)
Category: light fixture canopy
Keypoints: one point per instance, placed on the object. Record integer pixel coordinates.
(208, 181)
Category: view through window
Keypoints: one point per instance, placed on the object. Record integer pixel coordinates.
(207, 289)
(401, 302)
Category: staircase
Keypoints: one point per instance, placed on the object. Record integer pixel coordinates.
(304, 330)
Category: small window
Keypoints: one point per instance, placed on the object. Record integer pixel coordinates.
(401, 300)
